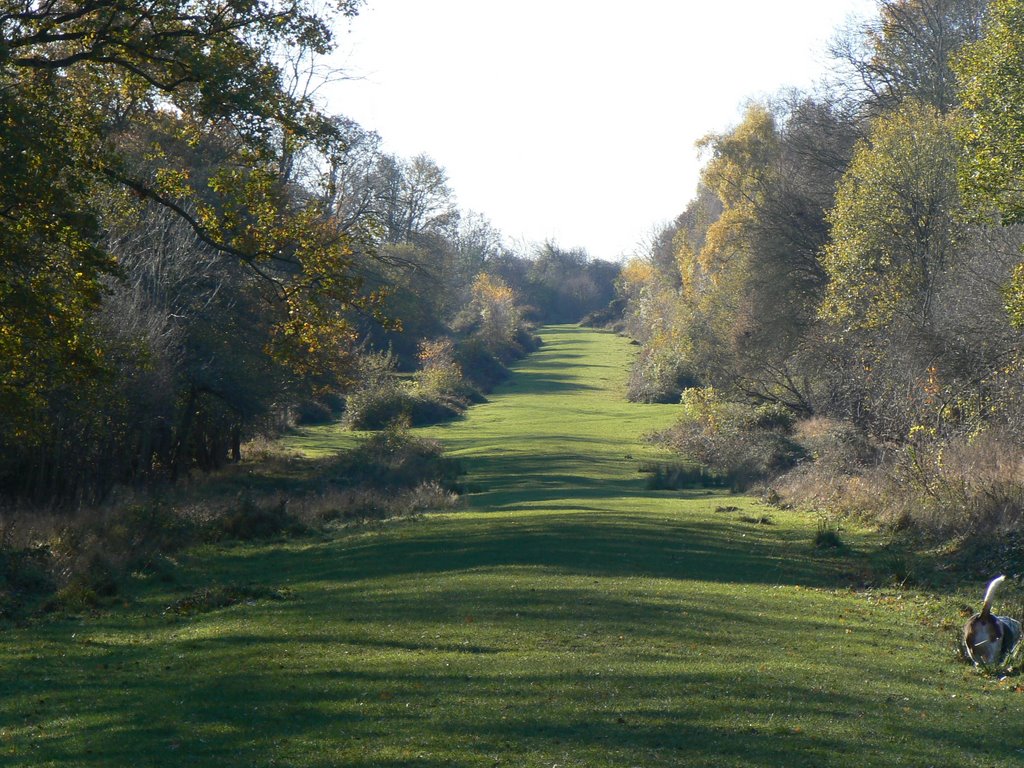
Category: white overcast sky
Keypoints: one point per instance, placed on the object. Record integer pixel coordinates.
(574, 120)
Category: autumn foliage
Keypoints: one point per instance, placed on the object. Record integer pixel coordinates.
(852, 262)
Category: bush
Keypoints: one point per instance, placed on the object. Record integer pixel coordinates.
(827, 536)
(479, 365)
(395, 459)
(437, 392)
(836, 445)
(250, 520)
(315, 412)
(610, 317)
(376, 408)
(743, 443)
(25, 573)
(365, 503)
(961, 489)
(658, 375)
(439, 374)
(675, 477)
(77, 561)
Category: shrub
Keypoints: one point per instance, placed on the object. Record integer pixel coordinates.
(395, 459)
(827, 536)
(674, 477)
(76, 561)
(834, 444)
(741, 442)
(379, 396)
(658, 375)
(25, 573)
(364, 503)
(249, 520)
(437, 392)
(966, 487)
(961, 488)
(440, 374)
(479, 365)
(316, 412)
(610, 317)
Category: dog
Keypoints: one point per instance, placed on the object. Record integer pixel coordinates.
(989, 639)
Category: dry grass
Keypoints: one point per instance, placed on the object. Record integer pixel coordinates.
(958, 489)
(53, 559)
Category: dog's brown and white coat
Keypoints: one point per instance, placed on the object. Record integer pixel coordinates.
(989, 639)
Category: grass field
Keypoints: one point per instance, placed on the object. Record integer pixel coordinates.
(565, 617)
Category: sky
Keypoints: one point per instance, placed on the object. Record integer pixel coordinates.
(574, 120)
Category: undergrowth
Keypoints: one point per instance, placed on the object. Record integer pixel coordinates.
(58, 560)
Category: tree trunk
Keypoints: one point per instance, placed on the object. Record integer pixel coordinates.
(184, 433)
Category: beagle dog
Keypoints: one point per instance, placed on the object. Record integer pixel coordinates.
(989, 639)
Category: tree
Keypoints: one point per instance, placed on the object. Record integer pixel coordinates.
(753, 274)
(414, 198)
(907, 52)
(991, 73)
(894, 229)
(494, 314)
(114, 107)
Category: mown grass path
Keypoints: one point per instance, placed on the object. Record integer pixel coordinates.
(567, 617)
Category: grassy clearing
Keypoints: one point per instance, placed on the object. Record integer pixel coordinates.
(566, 616)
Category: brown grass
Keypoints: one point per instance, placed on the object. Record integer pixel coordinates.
(954, 489)
(76, 559)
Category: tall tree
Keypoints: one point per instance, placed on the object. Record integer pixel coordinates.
(992, 80)
(907, 52)
(894, 231)
(754, 274)
(112, 107)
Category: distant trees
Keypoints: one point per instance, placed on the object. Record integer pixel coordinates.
(564, 285)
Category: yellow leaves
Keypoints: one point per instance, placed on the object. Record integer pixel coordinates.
(637, 273)
(741, 157)
(495, 305)
(703, 406)
(492, 290)
(992, 90)
(1014, 294)
(173, 181)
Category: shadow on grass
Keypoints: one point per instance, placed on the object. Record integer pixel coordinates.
(532, 382)
(407, 649)
(616, 674)
(600, 545)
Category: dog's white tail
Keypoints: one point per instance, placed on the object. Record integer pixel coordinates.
(989, 592)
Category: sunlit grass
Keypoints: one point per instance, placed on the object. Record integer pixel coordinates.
(566, 616)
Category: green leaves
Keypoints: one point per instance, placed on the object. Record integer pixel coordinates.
(991, 73)
(893, 225)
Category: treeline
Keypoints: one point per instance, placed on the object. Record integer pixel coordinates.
(195, 252)
(840, 305)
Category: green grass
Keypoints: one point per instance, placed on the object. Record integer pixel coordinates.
(566, 617)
